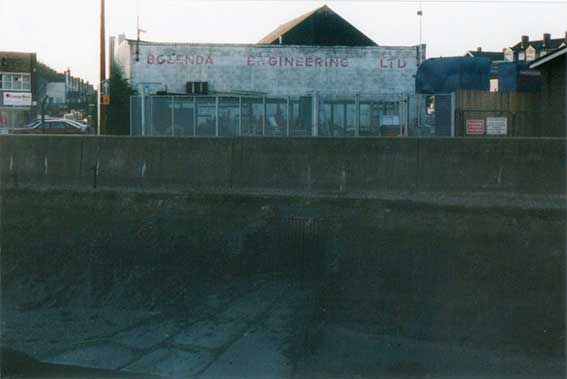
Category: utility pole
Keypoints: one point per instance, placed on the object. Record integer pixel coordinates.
(102, 108)
(420, 15)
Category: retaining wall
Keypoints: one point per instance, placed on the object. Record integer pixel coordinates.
(300, 165)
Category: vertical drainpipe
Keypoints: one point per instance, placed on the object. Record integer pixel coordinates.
(357, 115)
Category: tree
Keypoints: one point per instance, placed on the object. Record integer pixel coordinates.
(119, 108)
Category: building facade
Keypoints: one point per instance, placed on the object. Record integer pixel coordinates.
(528, 51)
(18, 88)
(351, 83)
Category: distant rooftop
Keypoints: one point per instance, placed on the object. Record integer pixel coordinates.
(494, 56)
(546, 43)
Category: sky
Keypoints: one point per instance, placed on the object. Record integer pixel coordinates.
(64, 33)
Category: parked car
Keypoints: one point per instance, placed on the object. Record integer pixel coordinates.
(52, 126)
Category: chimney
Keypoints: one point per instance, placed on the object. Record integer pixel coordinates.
(479, 49)
(546, 38)
(525, 41)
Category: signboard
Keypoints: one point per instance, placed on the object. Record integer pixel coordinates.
(475, 127)
(496, 126)
(105, 88)
(105, 100)
(21, 99)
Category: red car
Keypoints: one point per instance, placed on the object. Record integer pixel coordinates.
(52, 126)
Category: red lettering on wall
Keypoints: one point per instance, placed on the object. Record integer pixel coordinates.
(344, 62)
(209, 60)
(199, 59)
(272, 61)
(150, 59)
(160, 59)
(318, 62)
(250, 61)
(393, 63)
(309, 62)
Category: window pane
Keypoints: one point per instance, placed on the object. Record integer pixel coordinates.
(336, 117)
(370, 119)
(206, 109)
(17, 82)
(252, 116)
(276, 117)
(301, 117)
(161, 116)
(7, 81)
(183, 116)
(229, 114)
(26, 80)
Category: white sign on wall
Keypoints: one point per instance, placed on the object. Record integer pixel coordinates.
(22, 99)
(496, 126)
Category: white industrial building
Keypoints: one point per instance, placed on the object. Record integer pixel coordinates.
(316, 75)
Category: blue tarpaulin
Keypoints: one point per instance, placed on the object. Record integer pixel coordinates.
(446, 75)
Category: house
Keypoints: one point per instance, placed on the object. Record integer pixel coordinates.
(553, 100)
(18, 88)
(529, 51)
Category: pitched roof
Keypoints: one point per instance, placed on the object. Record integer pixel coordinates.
(553, 43)
(492, 55)
(321, 26)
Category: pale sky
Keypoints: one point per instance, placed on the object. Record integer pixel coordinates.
(64, 33)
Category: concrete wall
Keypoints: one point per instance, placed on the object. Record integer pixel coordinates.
(274, 70)
(349, 166)
(485, 278)
(488, 277)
